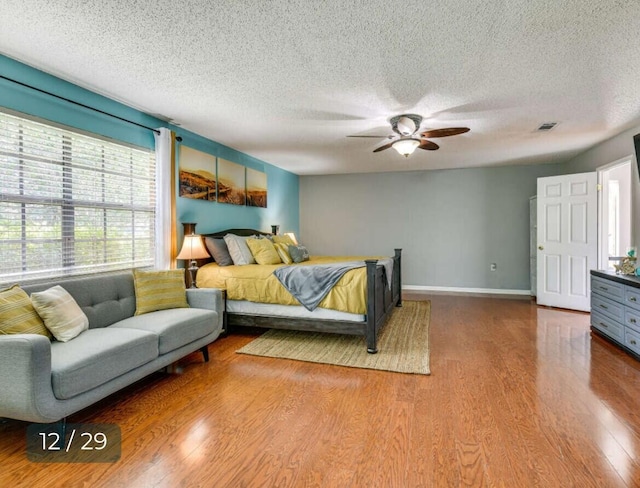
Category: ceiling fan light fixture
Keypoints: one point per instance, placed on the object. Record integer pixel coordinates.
(405, 147)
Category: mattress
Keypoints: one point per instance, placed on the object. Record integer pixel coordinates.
(251, 308)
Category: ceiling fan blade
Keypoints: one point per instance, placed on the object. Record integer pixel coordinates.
(382, 148)
(428, 145)
(376, 137)
(449, 131)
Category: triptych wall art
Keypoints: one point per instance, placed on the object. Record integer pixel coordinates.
(205, 177)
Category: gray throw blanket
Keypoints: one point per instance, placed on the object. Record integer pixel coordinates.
(310, 284)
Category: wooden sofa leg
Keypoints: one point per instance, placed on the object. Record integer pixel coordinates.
(205, 353)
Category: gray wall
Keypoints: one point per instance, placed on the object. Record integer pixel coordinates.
(607, 152)
(451, 224)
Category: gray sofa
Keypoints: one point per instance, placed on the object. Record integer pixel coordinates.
(45, 381)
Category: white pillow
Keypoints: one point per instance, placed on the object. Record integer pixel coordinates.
(60, 313)
(240, 252)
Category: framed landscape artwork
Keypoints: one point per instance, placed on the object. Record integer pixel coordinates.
(231, 182)
(256, 188)
(197, 175)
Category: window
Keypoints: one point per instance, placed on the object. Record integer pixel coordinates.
(71, 203)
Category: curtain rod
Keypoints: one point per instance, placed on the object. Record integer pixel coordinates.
(79, 104)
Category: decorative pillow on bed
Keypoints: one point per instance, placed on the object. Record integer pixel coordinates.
(159, 290)
(60, 312)
(263, 251)
(239, 250)
(283, 240)
(283, 252)
(219, 250)
(298, 253)
(17, 315)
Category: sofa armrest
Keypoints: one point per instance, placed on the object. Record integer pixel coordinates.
(208, 298)
(25, 382)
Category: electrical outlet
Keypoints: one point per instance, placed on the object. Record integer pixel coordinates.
(493, 267)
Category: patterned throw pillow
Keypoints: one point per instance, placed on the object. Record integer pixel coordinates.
(263, 251)
(283, 252)
(159, 290)
(298, 253)
(219, 250)
(60, 312)
(239, 250)
(17, 315)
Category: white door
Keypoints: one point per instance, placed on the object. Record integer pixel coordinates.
(567, 239)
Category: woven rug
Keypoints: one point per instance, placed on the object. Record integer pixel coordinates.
(403, 346)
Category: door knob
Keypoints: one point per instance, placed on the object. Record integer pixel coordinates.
(541, 248)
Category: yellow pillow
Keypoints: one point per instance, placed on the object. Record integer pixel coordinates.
(61, 314)
(17, 315)
(283, 252)
(159, 290)
(263, 251)
(283, 240)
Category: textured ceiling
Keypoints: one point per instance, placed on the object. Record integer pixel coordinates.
(287, 81)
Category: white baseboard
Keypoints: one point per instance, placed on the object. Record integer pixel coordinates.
(455, 289)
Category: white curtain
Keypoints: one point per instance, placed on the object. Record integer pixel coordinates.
(163, 199)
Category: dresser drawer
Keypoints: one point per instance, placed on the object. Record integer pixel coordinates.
(632, 297)
(607, 307)
(611, 328)
(632, 319)
(632, 340)
(608, 288)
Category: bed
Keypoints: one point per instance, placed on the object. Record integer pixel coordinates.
(364, 317)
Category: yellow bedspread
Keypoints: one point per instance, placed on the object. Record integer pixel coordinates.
(257, 283)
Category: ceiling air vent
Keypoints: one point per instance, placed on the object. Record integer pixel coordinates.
(547, 126)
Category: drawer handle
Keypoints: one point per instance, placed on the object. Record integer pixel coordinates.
(604, 288)
(604, 325)
(633, 321)
(633, 341)
(632, 299)
(603, 306)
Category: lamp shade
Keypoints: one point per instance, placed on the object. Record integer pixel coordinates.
(193, 248)
(406, 146)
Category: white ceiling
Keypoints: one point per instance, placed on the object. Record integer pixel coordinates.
(287, 81)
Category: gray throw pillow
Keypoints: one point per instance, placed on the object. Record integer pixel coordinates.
(298, 253)
(239, 250)
(218, 249)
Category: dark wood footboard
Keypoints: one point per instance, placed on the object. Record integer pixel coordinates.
(381, 298)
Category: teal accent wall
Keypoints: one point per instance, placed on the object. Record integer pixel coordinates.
(282, 186)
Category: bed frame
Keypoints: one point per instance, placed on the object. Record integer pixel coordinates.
(380, 303)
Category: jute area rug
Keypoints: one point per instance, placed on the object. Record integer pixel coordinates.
(403, 346)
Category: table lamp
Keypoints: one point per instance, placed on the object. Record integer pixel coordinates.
(192, 249)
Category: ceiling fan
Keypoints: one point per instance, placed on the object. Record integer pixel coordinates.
(406, 126)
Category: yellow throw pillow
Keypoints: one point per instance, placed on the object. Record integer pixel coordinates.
(283, 240)
(283, 252)
(60, 312)
(17, 315)
(263, 251)
(159, 290)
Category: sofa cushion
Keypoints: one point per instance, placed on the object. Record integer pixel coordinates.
(60, 312)
(159, 290)
(174, 328)
(97, 356)
(17, 315)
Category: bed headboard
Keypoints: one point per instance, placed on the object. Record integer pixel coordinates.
(238, 232)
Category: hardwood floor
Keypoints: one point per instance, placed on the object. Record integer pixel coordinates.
(519, 396)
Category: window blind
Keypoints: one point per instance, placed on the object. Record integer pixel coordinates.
(71, 203)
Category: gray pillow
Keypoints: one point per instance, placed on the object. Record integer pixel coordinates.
(218, 249)
(298, 253)
(239, 250)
